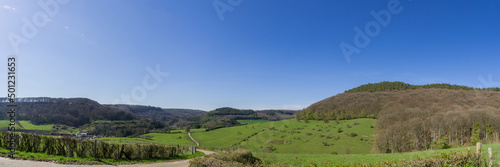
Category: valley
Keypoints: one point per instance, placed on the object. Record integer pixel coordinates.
(387, 122)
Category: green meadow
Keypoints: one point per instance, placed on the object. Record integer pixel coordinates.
(345, 159)
(159, 138)
(27, 125)
(292, 136)
(298, 143)
(251, 121)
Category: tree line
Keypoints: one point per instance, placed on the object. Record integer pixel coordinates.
(386, 86)
(230, 111)
(418, 129)
(124, 128)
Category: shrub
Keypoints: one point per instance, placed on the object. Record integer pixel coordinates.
(271, 148)
(339, 130)
(238, 158)
(442, 144)
(351, 134)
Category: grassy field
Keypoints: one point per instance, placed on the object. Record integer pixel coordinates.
(299, 143)
(287, 136)
(27, 125)
(251, 121)
(160, 138)
(179, 138)
(303, 159)
(191, 130)
(291, 136)
(225, 137)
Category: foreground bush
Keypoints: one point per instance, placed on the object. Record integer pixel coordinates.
(239, 158)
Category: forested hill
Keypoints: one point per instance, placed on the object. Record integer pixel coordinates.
(414, 119)
(79, 111)
(65, 111)
(157, 113)
(386, 86)
(367, 101)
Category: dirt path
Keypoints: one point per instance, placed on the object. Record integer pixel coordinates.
(7, 162)
(197, 144)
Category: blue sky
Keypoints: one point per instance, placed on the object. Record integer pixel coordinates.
(262, 54)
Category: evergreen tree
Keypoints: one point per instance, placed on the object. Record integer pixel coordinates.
(475, 134)
(489, 130)
(387, 147)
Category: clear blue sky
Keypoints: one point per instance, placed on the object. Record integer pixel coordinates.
(262, 54)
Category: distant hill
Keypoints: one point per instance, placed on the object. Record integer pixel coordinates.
(79, 111)
(412, 117)
(157, 113)
(227, 116)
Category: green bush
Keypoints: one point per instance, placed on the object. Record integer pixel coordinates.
(351, 134)
(238, 158)
(441, 144)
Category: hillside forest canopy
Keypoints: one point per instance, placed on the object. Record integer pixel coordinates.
(416, 117)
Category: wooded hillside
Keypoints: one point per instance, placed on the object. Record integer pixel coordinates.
(68, 111)
(417, 119)
(79, 111)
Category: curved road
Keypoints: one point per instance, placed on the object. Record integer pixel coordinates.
(7, 162)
